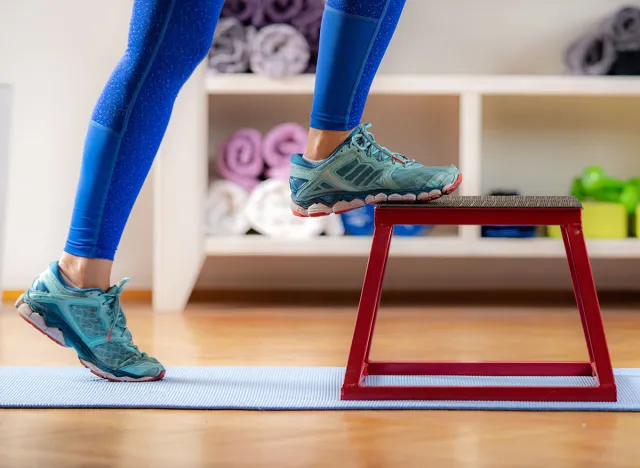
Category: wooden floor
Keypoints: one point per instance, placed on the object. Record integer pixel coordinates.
(217, 335)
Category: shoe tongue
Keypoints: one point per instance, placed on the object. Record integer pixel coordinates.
(117, 288)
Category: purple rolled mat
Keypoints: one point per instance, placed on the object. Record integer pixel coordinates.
(240, 158)
(308, 23)
(279, 173)
(248, 12)
(282, 11)
(278, 146)
(230, 50)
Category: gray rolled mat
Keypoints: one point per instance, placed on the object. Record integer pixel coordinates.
(245, 11)
(282, 11)
(230, 48)
(271, 388)
(278, 50)
(624, 28)
(593, 54)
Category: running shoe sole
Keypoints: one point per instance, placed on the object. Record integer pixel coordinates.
(320, 209)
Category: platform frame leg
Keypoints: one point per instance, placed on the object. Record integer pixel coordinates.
(587, 302)
(598, 367)
(368, 306)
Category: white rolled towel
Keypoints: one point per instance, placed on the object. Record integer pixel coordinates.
(269, 212)
(333, 226)
(278, 50)
(225, 209)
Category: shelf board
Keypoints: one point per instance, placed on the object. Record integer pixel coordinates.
(416, 247)
(231, 84)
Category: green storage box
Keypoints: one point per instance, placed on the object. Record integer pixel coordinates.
(600, 220)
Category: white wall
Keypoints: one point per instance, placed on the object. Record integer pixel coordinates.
(58, 55)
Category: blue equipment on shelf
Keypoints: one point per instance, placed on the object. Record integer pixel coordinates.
(360, 223)
(508, 231)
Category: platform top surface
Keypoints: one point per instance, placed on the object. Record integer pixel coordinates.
(493, 202)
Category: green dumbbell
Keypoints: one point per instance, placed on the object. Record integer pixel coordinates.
(594, 180)
(630, 197)
(577, 190)
(635, 182)
(595, 184)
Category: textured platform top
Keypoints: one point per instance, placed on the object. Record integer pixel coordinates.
(493, 202)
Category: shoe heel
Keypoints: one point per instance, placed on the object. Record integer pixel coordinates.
(37, 321)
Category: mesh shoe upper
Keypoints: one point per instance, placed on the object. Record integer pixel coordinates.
(93, 322)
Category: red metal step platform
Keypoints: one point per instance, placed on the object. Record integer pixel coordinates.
(565, 212)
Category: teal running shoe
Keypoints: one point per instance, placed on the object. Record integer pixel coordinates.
(92, 322)
(362, 172)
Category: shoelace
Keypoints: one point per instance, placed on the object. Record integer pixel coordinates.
(118, 321)
(365, 141)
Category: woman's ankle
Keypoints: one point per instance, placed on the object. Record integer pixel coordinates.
(86, 273)
(322, 143)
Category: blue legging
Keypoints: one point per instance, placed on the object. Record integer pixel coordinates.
(167, 41)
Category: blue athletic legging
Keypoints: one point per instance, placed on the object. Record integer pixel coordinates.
(167, 41)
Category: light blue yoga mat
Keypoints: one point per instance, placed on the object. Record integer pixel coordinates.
(269, 388)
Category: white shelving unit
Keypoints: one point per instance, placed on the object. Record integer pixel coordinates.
(414, 85)
(415, 247)
(181, 247)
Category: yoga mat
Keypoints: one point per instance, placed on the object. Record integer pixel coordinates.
(270, 388)
(591, 55)
(282, 11)
(279, 144)
(308, 23)
(230, 48)
(225, 215)
(278, 50)
(624, 28)
(239, 158)
(269, 212)
(248, 12)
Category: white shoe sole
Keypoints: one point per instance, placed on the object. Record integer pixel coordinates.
(320, 209)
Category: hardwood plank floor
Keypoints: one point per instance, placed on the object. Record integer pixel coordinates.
(225, 335)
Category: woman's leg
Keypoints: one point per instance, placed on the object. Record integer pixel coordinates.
(343, 167)
(72, 301)
(167, 40)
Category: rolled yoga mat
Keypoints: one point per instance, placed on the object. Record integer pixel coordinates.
(282, 11)
(624, 28)
(248, 12)
(308, 23)
(230, 49)
(278, 50)
(279, 144)
(594, 54)
(269, 213)
(240, 160)
(225, 209)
